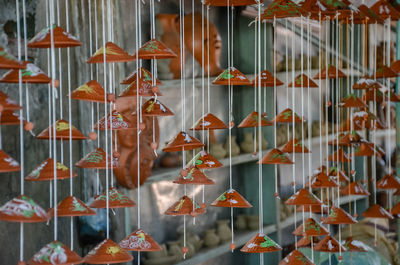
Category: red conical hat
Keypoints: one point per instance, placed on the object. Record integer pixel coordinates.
(55, 253)
(23, 209)
(153, 107)
(139, 241)
(209, 122)
(365, 149)
(116, 199)
(303, 197)
(145, 89)
(355, 245)
(30, 74)
(267, 80)
(371, 16)
(107, 252)
(331, 8)
(376, 211)
(352, 101)
(322, 180)
(385, 10)
(287, 116)
(7, 163)
(305, 242)
(373, 95)
(91, 91)
(316, 10)
(204, 160)
(182, 141)
(233, 77)
(310, 227)
(338, 216)
(396, 210)
(62, 132)
(388, 182)
(383, 72)
(115, 121)
(184, 206)
(145, 75)
(9, 117)
(61, 39)
(253, 120)
(367, 84)
(114, 54)
(295, 258)
(7, 61)
(329, 244)
(155, 49)
(71, 206)
(294, 147)
(231, 2)
(346, 139)
(333, 172)
(45, 171)
(339, 156)
(393, 97)
(97, 160)
(333, 72)
(194, 176)
(7, 103)
(231, 198)
(276, 156)
(354, 188)
(303, 81)
(282, 9)
(260, 243)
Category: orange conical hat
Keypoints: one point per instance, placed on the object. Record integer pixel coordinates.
(182, 141)
(231, 2)
(145, 75)
(97, 160)
(338, 216)
(276, 156)
(9, 117)
(114, 54)
(339, 156)
(62, 132)
(365, 149)
(115, 121)
(7, 103)
(267, 79)
(45, 171)
(393, 97)
(303, 197)
(7, 163)
(153, 107)
(23, 209)
(145, 89)
(377, 211)
(231, 198)
(367, 84)
(61, 39)
(116, 199)
(30, 74)
(388, 182)
(139, 241)
(253, 120)
(305, 242)
(383, 72)
(282, 9)
(295, 258)
(346, 139)
(333, 172)
(322, 180)
(333, 72)
(303, 81)
(385, 10)
(352, 101)
(55, 253)
(310, 227)
(287, 116)
(354, 188)
(203, 160)
(260, 243)
(355, 246)
(233, 77)
(107, 252)
(209, 122)
(155, 49)
(329, 244)
(294, 146)
(193, 176)
(184, 206)
(396, 210)
(7, 61)
(91, 91)
(72, 206)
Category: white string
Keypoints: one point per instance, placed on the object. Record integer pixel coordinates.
(275, 102)
(26, 59)
(261, 214)
(293, 127)
(138, 23)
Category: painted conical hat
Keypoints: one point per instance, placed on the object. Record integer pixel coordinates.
(7, 61)
(97, 160)
(396, 210)
(72, 206)
(139, 241)
(333, 172)
(303, 81)
(114, 54)
(153, 107)
(231, 198)
(193, 176)
(377, 211)
(385, 10)
(209, 122)
(294, 146)
(231, 2)
(339, 156)
(30, 74)
(295, 258)
(116, 199)
(393, 97)
(9, 117)
(358, 16)
(303, 197)
(354, 188)
(287, 117)
(267, 80)
(388, 182)
(383, 72)
(155, 49)
(346, 139)
(322, 180)
(55, 253)
(371, 16)
(333, 73)
(345, 126)
(7, 163)
(340, 8)
(282, 9)
(276, 157)
(329, 244)
(365, 149)
(338, 216)
(7, 103)
(45, 171)
(260, 243)
(62, 132)
(145, 89)
(305, 242)
(115, 121)
(316, 10)
(395, 66)
(204, 160)
(91, 91)
(253, 120)
(61, 39)
(352, 101)
(366, 83)
(107, 252)
(310, 227)
(184, 206)
(182, 141)
(145, 75)
(232, 76)
(24, 210)
(355, 245)
(373, 95)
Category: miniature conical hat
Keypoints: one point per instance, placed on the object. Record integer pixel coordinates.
(356, 17)
(329, 244)
(204, 160)
(114, 54)
(352, 101)
(231, 2)
(287, 117)
(145, 89)
(333, 172)
(155, 49)
(333, 72)
(303, 197)
(72, 206)
(60, 39)
(7, 163)
(366, 83)
(346, 126)
(145, 75)
(30, 74)
(373, 95)
(153, 107)
(9, 117)
(294, 147)
(282, 9)
(385, 10)
(355, 246)
(302, 81)
(346, 139)
(97, 160)
(313, 208)
(91, 91)
(310, 227)
(253, 120)
(55, 253)
(395, 66)
(371, 16)
(116, 199)
(396, 210)
(182, 141)
(365, 149)
(184, 206)
(209, 122)
(393, 97)
(139, 241)
(388, 182)
(267, 80)
(322, 180)
(115, 121)
(62, 132)
(316, 10)
(354, 188)
(45, 171)
(231, 198)
(276, 157)
(376, 211)
(305, 242)
(339, 7)
(7, 103)
(107, 252)
(339, 156)
(194, 176)
(295, 258)
(383, 72)
(338, 216)
(233, 77)
(24, 210)
(7, 61)
(260, 243)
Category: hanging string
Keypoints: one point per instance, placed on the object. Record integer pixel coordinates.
(202, 84)
(275, 103)
(26, 59)
(293, 126)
